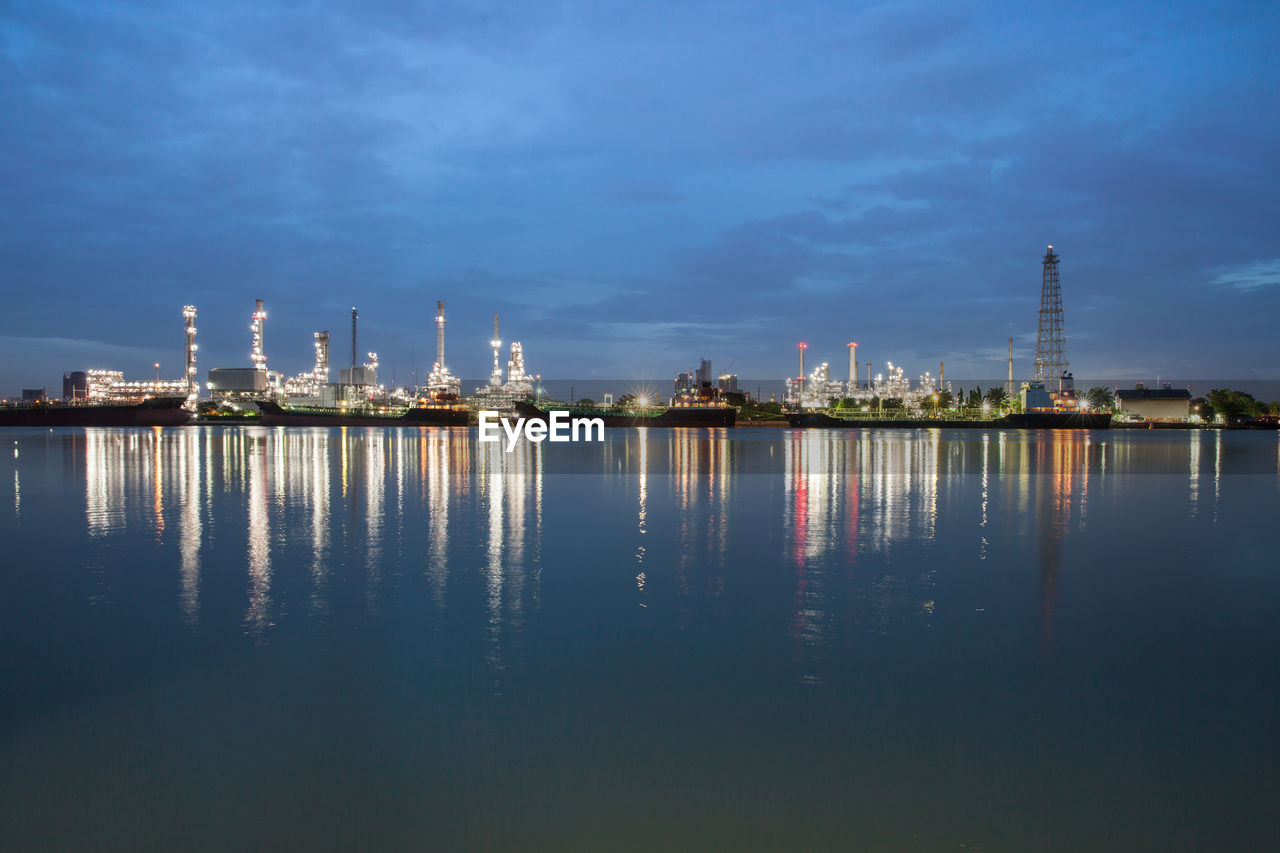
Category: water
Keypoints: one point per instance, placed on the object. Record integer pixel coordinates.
(218, 638)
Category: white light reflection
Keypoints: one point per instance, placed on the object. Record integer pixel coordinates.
(258, 616)
(1193, 473)
(105, 464)
(642, 444)
(319, 493)
(436, 444)
(986, 476)
(189, 528)
(375, 463)
(1217, 472)
(492, 461)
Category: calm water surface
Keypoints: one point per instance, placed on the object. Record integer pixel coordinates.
(222, 638)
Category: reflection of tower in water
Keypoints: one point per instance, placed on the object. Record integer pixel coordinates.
(1057, 461)
(258, 616)
(189, 527)
(507, 480)
(374, 458)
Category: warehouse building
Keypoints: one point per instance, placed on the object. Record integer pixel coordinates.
(1163, 403)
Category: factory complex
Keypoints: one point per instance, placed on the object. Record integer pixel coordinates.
(815, 397)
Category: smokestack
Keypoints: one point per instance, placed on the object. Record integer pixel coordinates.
(868, 375)
(802, 348)
(355, 315)
(1009, 385)
(942, 374)
(440, 336)
(853, 365)
(495, 379)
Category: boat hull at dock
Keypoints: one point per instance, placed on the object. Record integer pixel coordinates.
(275, 414)
(1031, 420)
(153, 412)
(695, 417)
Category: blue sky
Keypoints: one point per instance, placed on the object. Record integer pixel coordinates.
(634, 185)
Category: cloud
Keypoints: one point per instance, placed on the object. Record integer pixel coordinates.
(622, 182)
(1249, 277)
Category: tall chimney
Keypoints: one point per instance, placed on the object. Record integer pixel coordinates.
(495, 379)
(354, 317)
(853, 365)
(1009, 385)
(440, 335)
(942, 374)
(802, 347)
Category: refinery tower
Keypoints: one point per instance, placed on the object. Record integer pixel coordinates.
(1051, 339)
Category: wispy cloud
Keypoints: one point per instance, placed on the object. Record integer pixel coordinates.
(1249, 276)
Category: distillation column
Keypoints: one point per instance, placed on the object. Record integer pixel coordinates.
(258, 355)
(193, 385)
(495, 378)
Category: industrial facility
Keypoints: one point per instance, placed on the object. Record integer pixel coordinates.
(501, 394)
(1163, 403)
(101, 385)
(1050, 390)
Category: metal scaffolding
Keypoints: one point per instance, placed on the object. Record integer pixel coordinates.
(1051, 340)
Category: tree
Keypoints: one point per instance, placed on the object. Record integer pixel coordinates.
(996, 397)
(586, 403)
(627, 401)
(1233, 405)
(1100, 397)
(975, 398)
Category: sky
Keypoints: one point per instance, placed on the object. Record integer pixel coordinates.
(634, 186)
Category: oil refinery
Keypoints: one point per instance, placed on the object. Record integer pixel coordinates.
(813, 397)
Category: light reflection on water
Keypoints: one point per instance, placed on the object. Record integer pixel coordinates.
(844, 494)
(731, 608)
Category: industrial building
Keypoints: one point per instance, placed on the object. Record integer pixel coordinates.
(75, 385)
(1163, 403)
(441, 381)
(245, 383)
(519, 384)
(110, 386)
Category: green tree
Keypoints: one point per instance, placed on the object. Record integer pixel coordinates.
(996, 397)
(1100, 397)
(975, 398)
(1234, 405)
